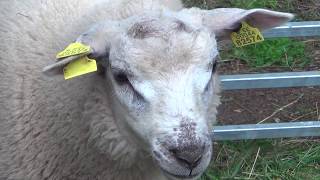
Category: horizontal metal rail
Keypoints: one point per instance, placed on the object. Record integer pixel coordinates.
(270, 80)
(273, 80)
(277, 80)
(263, 131)
(295, 29)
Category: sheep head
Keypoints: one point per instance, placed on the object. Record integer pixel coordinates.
(161, 67)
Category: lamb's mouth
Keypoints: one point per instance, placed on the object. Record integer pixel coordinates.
(190, 176)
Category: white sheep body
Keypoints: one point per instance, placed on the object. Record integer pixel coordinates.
(50, 127)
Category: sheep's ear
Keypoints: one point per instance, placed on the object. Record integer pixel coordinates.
(98, 38)
(224, 21)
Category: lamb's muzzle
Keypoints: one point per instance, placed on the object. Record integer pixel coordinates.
(185, 162)
(188, 156)
(184, 155)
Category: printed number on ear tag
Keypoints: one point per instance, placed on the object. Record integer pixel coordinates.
(79, 67)
(74, 49)
(247, 35)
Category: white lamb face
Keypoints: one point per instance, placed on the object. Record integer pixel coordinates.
(161, 71)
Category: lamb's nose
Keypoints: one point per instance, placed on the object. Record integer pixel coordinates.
(189, 156)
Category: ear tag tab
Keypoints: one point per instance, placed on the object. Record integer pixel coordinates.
(74, 49)
(247, 35)
(79, 67)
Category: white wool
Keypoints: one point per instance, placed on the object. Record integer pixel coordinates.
(49, 127)
(56, 129)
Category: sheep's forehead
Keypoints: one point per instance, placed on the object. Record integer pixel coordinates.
(164, 46)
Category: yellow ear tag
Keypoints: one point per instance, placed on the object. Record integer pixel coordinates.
(79, 67)
(74, 49)
(246, 35)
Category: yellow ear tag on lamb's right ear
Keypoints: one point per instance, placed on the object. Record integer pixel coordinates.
(79, 67)
(247, 35)
(74, 49)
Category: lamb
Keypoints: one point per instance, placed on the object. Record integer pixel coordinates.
(145, 114)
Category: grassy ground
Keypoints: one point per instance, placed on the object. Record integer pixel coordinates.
(268, 159)
(281, 52)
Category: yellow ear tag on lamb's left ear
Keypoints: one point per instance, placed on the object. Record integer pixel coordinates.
(79, 67)
(74, 49)
(247, 35)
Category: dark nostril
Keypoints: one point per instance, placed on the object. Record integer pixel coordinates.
(190, 158)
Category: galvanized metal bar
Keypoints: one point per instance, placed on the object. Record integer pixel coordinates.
(266, 131)
(270, 80)
(295, 29)
(273, 80)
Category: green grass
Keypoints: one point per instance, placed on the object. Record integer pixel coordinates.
(304, 10)
(282, 52)
(246, 4)
(277, 159)
(270, 4)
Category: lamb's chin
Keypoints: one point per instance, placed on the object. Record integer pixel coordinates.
(171, 177)
(174, 177)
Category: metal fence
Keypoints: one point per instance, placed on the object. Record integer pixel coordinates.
(274, 80)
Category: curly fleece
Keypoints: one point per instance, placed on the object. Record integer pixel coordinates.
(56, 129)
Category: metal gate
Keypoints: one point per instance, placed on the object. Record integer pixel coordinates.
(274, 80)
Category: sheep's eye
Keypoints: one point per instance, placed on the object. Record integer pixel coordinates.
(214, 66)
(121, 78)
